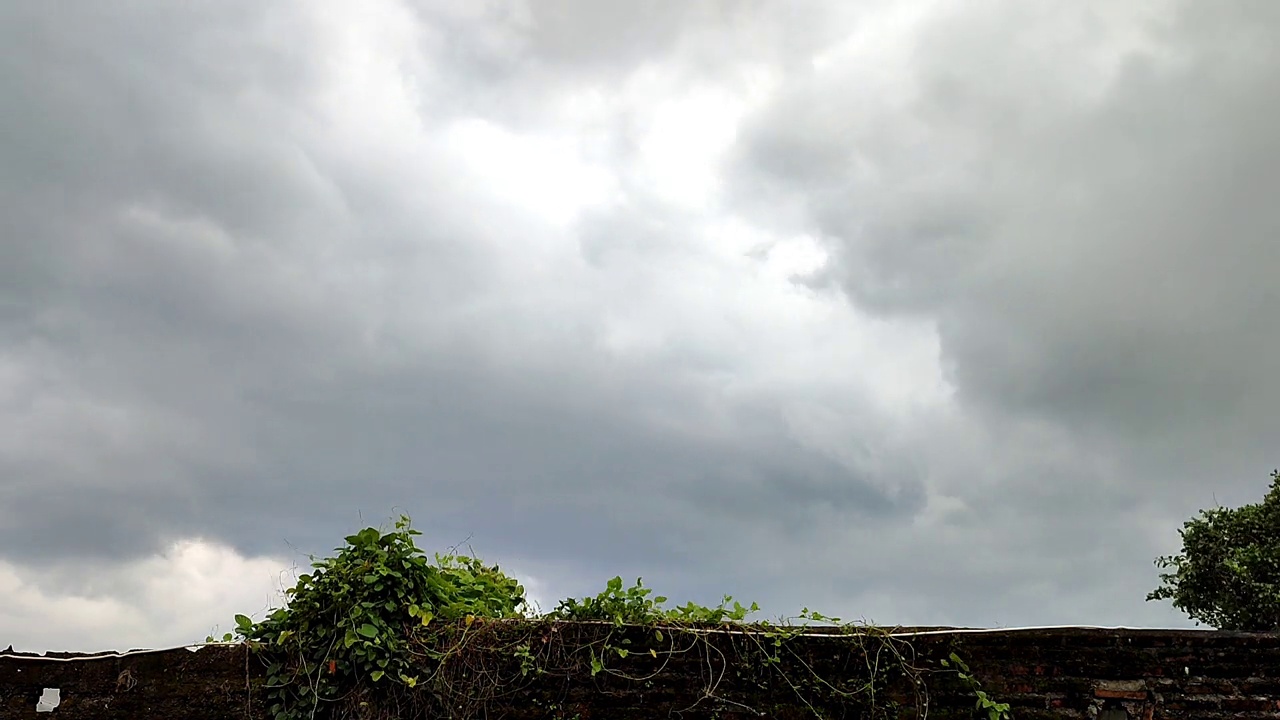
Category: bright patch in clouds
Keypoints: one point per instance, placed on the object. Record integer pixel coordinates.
(795, 258)
(192, 590)
(545, 176)
(682, 143)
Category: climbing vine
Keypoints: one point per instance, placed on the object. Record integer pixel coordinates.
(353, 619)
(381, 630)
(985, 704)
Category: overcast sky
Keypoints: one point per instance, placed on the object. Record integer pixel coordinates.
(909, 312)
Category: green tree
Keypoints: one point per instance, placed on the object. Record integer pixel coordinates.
(1228, 574)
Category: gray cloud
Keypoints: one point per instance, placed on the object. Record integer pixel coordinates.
(229, 280)
(1092, 235)
(259, 281)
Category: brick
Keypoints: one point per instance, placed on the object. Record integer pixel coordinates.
(1120, 694)
(1122, 685)
(1242, 704)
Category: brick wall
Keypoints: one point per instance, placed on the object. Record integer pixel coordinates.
(1074, 673)
(1050, 673)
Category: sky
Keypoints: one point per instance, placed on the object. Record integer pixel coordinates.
(909, 312)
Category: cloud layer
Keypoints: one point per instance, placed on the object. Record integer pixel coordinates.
(912, 313)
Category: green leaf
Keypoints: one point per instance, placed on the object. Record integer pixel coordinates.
(596, 667)
(368, 631)
(376, 675)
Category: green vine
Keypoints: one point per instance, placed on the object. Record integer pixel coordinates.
(380, 631)
(353, 618)
(992, 709)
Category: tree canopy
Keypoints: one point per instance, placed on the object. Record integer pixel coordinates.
(1228, 573)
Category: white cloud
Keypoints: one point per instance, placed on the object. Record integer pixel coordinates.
(544, 176)
(178, 597)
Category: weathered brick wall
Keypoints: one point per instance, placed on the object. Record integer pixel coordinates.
(1049, 673)
(214, 683)
(1073, 673)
